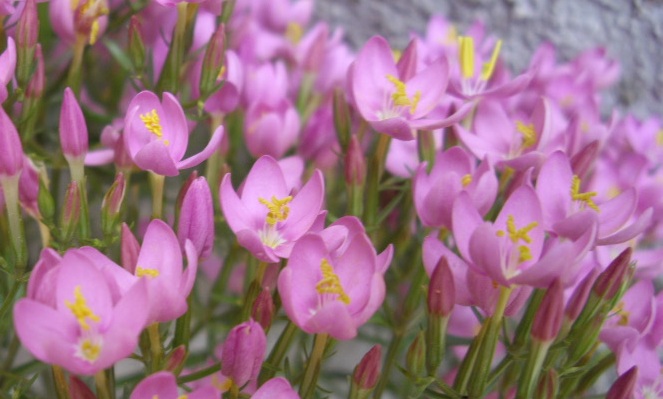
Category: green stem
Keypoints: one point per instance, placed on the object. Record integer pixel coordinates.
(254, 290)
(10, 190)
(278, 352)
(74, 76)
(310, 381)
(169, 79)
(155, 346)
(200, 374)
(537, 354)
(157, 183)
(372, 188)
(390, 358)
(60, 381)
(101, 383)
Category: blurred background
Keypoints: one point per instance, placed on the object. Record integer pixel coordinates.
(631, 31)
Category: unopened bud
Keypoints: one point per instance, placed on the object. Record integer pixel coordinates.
(136, 45)
(175, 359)
(263, 309)
(11, 150)
(407, 62)
(441, 290)
(342, 119)
(609, 283)
(111, 204)
(37, 82)
(548, 385)
(27, 32)
(415, 359)
(183, 190)
(73, 129)
(196, 218)
(71, 212)
(213, 61)
(624, 386)
(129, 248)
(243, 352)
(79, 390)
(582, 161)
(548, 318)
(45, 202)
(579, 298)
(355, 164)
(366, 374)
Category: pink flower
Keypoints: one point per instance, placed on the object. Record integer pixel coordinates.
(196, 221)
(156, 135)
(243, 352)
(71, 18)
(7, 67)
(163, 385)
(76, 317)
(276, 388)
(395, 99)
(333, 282)
(266, 216)
(159, 262)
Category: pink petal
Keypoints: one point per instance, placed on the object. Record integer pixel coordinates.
(156, 157)
(213, 145)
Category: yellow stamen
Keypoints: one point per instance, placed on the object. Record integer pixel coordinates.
(466, 56)
(528, 132)
(659, 137)
(278, 209)
(516, 234)
(151, 273)
(152, 122)
(400, 98)
(466, 180)
(331, 283)
(94, 31)
(576, 195)
(623, 314)
(489, 67)
(294, 32)
(524, 253)
(396, 54)
(89, 350)
(80, 309)
(222, 72)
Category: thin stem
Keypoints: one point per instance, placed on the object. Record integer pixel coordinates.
(10, 189)
(156, 183)
(74, 76)
(390, 358)
(278, 352)
(155, 346)
(169, 79)
(310, 380)
(60, 381)
(537, 354)
(101, 383)
(200, 374)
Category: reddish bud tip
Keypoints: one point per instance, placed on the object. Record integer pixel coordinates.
(441, 290)
(79, 390)
(73, 130)
(613, 277)
(175, 359)
(579, 298)
(355, 164)
(129, 249)
(624, 386)
(263, 309)
(367, 372)
(548, 318)
(582, 161)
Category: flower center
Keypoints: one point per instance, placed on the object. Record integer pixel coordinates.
(153, 124)
(576, 195)
(515, 234)
(400, 97)
(89, 348)
(80, 309)
(466, 180)
(466, 58)
(294, 32)
(331, 283)
(150, 273)
(277, 209)
(528, 132)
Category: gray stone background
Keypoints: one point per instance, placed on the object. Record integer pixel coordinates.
(630, 30)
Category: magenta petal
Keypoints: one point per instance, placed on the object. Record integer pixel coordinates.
(465, 219)
(189, 275)
(156, 157)
(119, 279)
(486, 254)
(213, 145)
(161, 251)
(276, 388)
(305, 207)
(332, 318)
(289, 296)
(553, 187)
(40, 327)
(161, 384)
(616, 212)
(630, 231)
(369, 76)
(176, 130)
(48, 261)
(250, 240)
(397, 128)
(377, 292)
(434, 123)
(550, 267)
(99, 157)
(265, 179)
(236, 213)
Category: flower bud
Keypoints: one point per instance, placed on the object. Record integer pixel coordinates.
(243, 352)
(583, 160)
(183, 190)
(213, 61)
(36, 84)
(175, 359)
(79, 390)
(136, 45)
(415, 359)
(366, 374)
(355, 164)
(27, 32)
(11, 150)
(129, 249)
(45, 202)
(548, 385)
(624, 386)
(110, 205)
(71, 212)
(609, 282)
(263, 309)
(548, 318)
(341, 117)
(441, 290)
(579, 298)
(196, 219)
(73, 130)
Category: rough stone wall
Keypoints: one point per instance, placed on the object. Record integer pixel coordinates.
(630, 30)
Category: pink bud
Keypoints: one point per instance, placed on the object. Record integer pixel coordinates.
(367, 372)
(584, 159)
(73, 130)
(175, 359)
(548, 318)
(72, 210)
(263, 309)
(129, 249)
(11, 150)
(79, 390)
(36, 84)
(613, 277)
(196, 222)
(213, 60)
(110, 205)
(355, 163)
(579, 298)
(28, 26)
(441, 290)
(624, 386)
(243, 352)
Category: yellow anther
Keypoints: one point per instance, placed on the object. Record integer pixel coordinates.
(89, 350)
(183, 396)
(524, 253)
(152, 122)
(659, 137)
(142, 272)
(74, 4)
(466, 56)
(222, 72)
(94, 31)
(576, 195)
(396, 54)
(516, 234)
(294, 32)
(331, 283)
(400, 98)
(80, 309)
(623, 314)
(466, 180)
(278, 209)
(489, 67)
(528, 132)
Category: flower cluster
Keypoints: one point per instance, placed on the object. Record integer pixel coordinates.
(495, 230)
